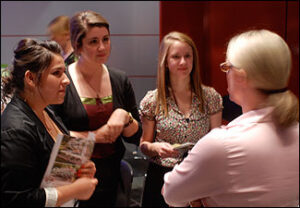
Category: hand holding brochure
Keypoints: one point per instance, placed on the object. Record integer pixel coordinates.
(67, 156)
(183, 147)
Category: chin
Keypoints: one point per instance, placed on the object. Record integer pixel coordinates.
(59, 101)
(101, 60)
(232, 99)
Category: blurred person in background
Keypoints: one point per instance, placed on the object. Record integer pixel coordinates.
(59, 31)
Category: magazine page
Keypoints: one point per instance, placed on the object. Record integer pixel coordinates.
(182, 148)
(67, 156)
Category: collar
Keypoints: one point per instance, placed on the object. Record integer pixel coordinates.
(254, 116)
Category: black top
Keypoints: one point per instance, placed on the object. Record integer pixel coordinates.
(70, 59)
(231, 110)
(25, 151)
(75, 117)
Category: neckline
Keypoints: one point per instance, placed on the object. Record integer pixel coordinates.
(73, 67)
(176, 104)
(50, 126)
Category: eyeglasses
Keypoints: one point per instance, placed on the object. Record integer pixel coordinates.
(225, 67)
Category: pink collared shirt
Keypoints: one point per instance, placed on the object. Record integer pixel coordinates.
(249, 162)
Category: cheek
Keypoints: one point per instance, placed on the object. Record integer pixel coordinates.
(229, 80)
(108, 47)
(171, 64)
(50, 86)
(49, 90)
(190, 63)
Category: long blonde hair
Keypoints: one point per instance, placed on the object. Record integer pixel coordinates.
(266, 58)
(163, 79)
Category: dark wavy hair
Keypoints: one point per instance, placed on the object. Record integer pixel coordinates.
(30, 54)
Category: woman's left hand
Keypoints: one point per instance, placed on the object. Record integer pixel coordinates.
(87, 170)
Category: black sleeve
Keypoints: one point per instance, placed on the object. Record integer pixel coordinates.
(22, 169)
(131, 106)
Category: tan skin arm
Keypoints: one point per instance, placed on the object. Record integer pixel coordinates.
(131, 129)
(81, 189)
(216, 120)
(150, 148)
(164, 149)
(114, 127)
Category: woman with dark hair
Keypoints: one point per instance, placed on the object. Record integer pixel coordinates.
(29, 129)
(99, 99)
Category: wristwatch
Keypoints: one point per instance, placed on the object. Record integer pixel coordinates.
(130, 120)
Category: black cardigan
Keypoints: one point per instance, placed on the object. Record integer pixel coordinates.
(75, 117)
(25, 151)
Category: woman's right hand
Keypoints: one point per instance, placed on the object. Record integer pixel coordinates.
(104, 135)
(109, 132)
(164, 149)
(81, 189)
(85, 187)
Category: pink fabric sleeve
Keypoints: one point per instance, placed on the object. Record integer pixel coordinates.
(200, 175)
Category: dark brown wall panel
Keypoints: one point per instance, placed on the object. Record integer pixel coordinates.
(212, 23)
(292, 35)
(186, 17)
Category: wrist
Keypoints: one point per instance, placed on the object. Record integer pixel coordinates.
(153, 148)
(51, 197)
(130, 121)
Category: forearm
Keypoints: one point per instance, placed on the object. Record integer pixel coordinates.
(202, 180)
(216, 120)
(65, 194)
(148, 148)
(131, 129)
(82, 134)
(99, 134)
(171, 196)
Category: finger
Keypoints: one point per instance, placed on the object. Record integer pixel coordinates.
(87, 170)
(88, 164)
(95, 181)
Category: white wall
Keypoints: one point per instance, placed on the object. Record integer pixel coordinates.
(134, 27)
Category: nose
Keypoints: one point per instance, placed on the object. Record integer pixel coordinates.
(101, 46)
(182, 61)
(65, 80)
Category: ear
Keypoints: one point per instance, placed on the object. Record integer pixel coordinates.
(30, 78)
(241, 75)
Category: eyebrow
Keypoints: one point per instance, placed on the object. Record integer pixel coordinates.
(96, 37)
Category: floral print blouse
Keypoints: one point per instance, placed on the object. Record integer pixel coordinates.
(176, 128)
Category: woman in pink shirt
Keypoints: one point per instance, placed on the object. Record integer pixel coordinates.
(254, 160)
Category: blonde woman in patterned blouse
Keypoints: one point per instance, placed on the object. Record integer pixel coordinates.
(180, 110)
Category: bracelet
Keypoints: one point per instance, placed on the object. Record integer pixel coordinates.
(130, 120)
(51, 197)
